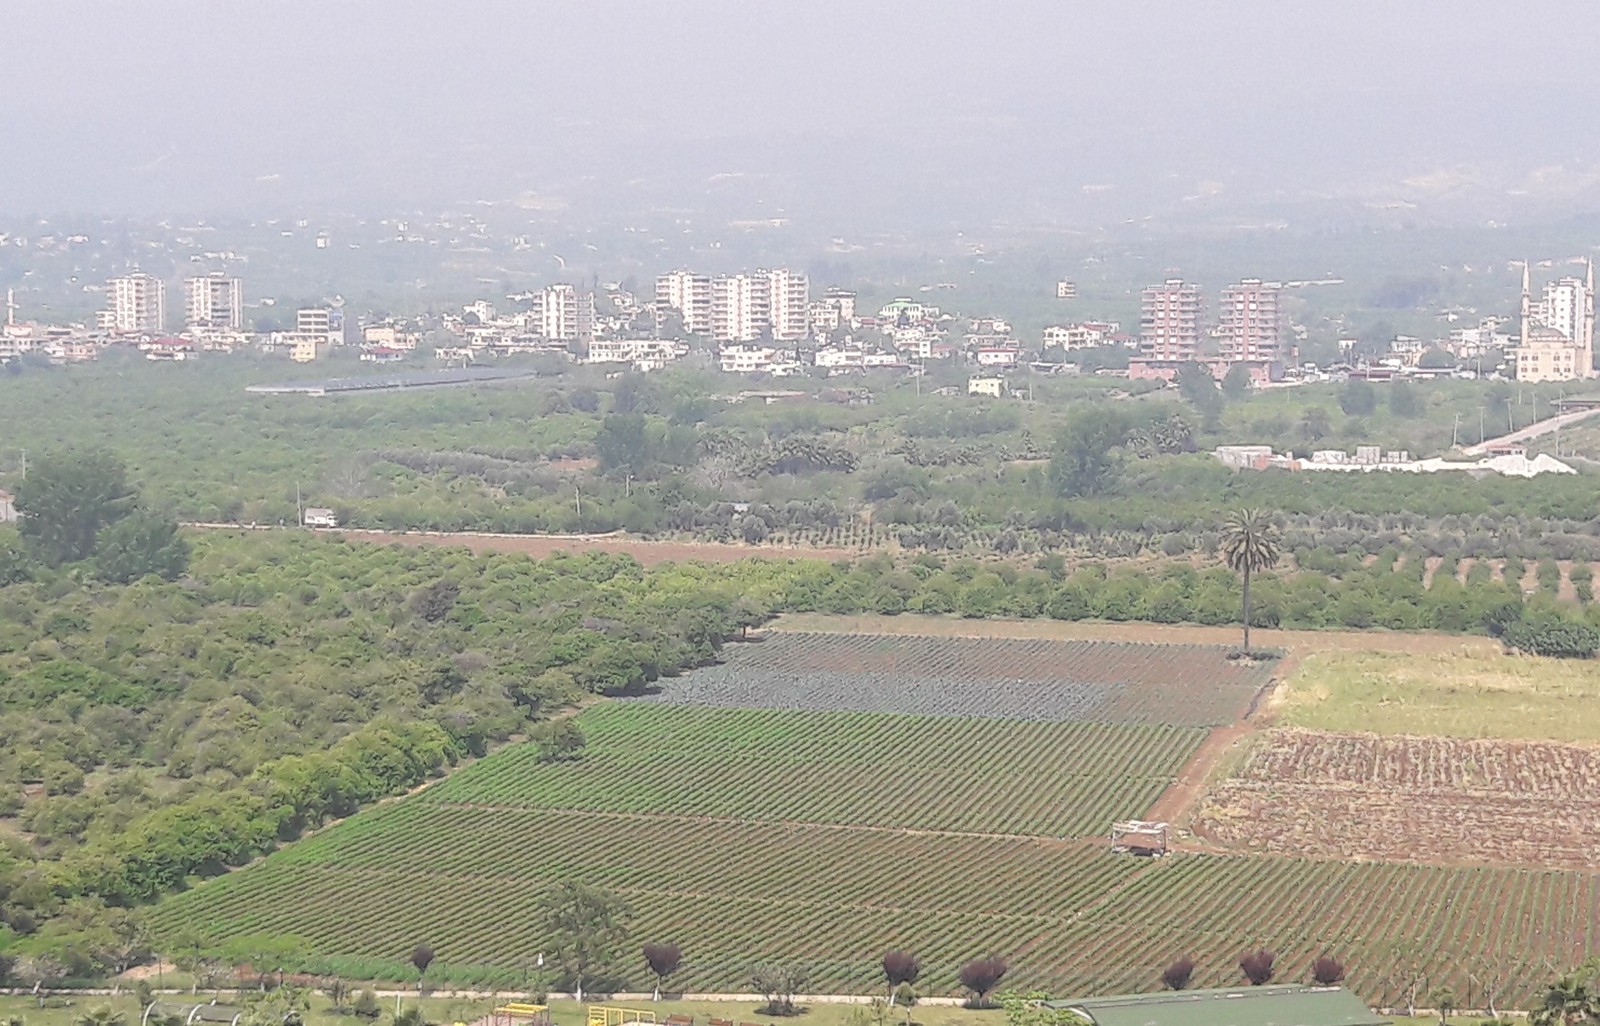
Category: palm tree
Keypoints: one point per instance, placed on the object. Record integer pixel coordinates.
(1567, 1002)
(1249, 544)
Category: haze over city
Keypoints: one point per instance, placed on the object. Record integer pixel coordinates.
(848, 114)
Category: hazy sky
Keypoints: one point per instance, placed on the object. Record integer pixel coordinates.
(118, 106)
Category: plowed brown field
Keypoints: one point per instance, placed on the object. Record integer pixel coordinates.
(1437, 800)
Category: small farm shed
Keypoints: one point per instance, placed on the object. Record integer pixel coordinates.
(1139, 837)
(1286, 1005)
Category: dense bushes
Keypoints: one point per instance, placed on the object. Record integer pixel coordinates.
(163, 731)
(1547, 634)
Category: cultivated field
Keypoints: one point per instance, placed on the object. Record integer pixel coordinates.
(1454, 694)
(1362, 796)
(1070, 916)
(1108, 682)
(1294, 642)
(863, 769)
(943, 795)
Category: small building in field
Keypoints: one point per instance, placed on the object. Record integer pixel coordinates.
(8, 507)
(1283, 1005)
(319, 516)
(1139, 837)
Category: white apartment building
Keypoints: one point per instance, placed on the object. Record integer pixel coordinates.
(788, 295)
(327, 322)
(214, 301)
(739, 307)
(135, 303)
(561, 313)
(690, 295)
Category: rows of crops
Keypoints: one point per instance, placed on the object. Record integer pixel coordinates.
(1070, 916)
(1411, 798)
(868, 769)
(1012, 678)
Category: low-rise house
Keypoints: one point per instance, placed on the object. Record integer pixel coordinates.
(174, 350)
(997, 356)
(994, 388)
(319, 516)
(644, 354)
(737, 359)
(8, 507)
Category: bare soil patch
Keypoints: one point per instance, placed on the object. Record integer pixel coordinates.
(1446, 801)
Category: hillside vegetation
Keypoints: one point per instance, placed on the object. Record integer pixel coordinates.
(157, 731)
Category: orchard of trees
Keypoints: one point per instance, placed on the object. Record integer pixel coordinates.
(1080, 469)
(154, 731)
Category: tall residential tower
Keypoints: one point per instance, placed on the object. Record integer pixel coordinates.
(1169, 321)
(135, 304)
(214, 301)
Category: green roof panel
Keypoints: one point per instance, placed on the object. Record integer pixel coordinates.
(1284, 1005)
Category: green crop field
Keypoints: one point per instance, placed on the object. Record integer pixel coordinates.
(825, 838)
(863, 769)
(1069, 916)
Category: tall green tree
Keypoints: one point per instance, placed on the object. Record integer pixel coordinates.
(584, 927)
(67, 500)
(1236, 384)
(1198, 386)
(1085, 457)
(139, 544)
(1250, 544)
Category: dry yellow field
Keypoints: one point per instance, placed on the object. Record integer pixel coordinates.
(1377, 681)
(1452, 694)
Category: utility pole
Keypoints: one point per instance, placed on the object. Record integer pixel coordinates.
(1455, 431)
(299, 511)
(577, 498)
(1509, 425)
(1481, 435)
